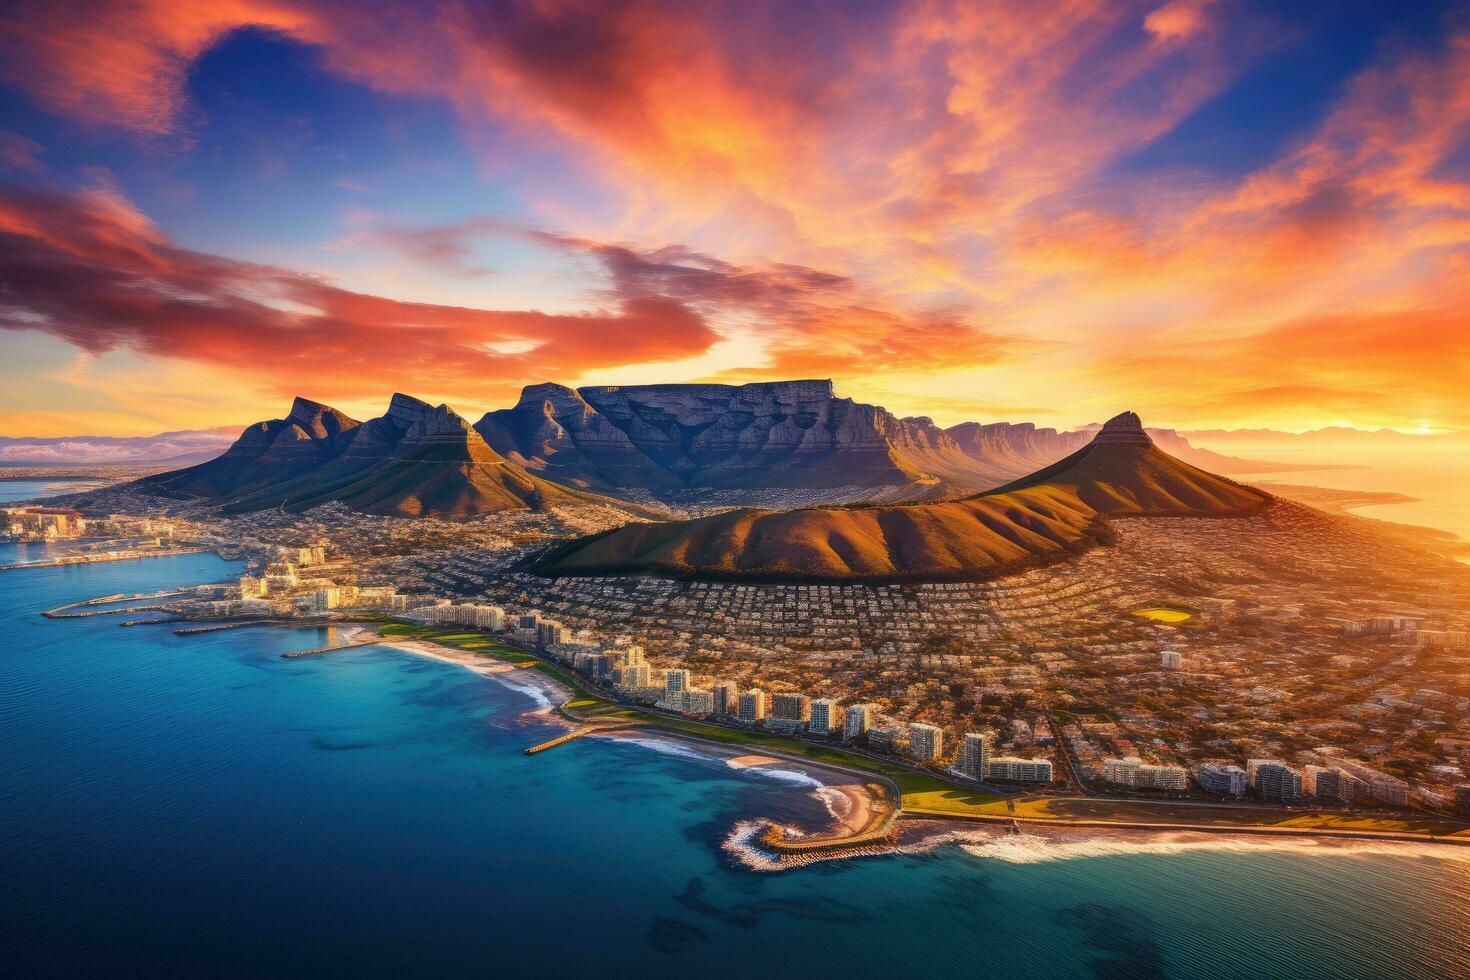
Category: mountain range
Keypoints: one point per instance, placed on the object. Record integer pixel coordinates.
(775, 444)
(416, 459)
(1061, 509)
(677, 440)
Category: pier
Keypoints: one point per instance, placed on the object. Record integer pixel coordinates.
(332, 649)
(64, 612)
(569, 736)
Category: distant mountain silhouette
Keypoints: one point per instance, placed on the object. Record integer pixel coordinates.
(1060, 509)
(417, 459)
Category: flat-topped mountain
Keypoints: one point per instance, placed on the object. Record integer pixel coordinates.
(752, 441)
(761, 436)
(416, 459)
(1058, 510)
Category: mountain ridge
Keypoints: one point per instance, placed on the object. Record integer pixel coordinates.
(764, 437)
(1055, 512)
(415, 460)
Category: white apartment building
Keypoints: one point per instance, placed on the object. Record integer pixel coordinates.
(1015, 770)
(926, 742)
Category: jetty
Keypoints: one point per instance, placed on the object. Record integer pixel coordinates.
(571, 735)
(151, 602)
(293, 655)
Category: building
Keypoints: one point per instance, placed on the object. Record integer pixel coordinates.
(1376, 785)
(826, 716)
(1222, 780)
(974, 760)
(631, 676)
(888, 738)
(727, 697)
(1121, 772)
(1462, 800)
(550, 633)
(1274, 780)
(490, 618)
(1171, 660)
(252, 587)
(1162, 777)
(926, 742)
(528, 626)
(787, 706)
(1012, 770)
(1331, 783)
(752, 705)
(324, 599)
(676, 681)
(698, 701)
(1444, 639)
(856, 721)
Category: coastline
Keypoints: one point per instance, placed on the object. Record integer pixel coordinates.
(859, 803)
(865, 827)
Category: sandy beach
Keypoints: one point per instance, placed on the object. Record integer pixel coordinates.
(545, 691)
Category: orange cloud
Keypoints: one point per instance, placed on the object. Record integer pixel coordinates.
(90, 270)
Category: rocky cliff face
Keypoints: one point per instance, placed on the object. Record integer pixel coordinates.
(770, 435)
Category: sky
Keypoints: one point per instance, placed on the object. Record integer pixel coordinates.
(1216, 213)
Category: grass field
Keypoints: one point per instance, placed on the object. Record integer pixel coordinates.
(1071, 809)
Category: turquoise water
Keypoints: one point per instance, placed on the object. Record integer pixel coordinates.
(200, 806)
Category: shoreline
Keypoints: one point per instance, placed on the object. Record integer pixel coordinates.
(857, 834)
(855, 800)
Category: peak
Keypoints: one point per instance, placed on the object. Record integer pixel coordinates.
(545, 389)
(305, 410)
(408, 409)
(1125, 429)
(549, 391)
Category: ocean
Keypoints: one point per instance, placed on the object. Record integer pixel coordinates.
(199, 806)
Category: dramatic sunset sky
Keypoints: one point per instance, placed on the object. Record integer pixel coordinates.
(1216, 213)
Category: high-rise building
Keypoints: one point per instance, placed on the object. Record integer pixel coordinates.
(926, 742)
(1274, 780)
(252, 587)
(727, 697)
(974, 758)
(1224, 780)
(490, 618)
(676, 680)
(788, 706)
(826, 716)
(549, 633)
(856, 721)
(631, 675)
(698, 701)
(1171, 660)
(752, 705)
